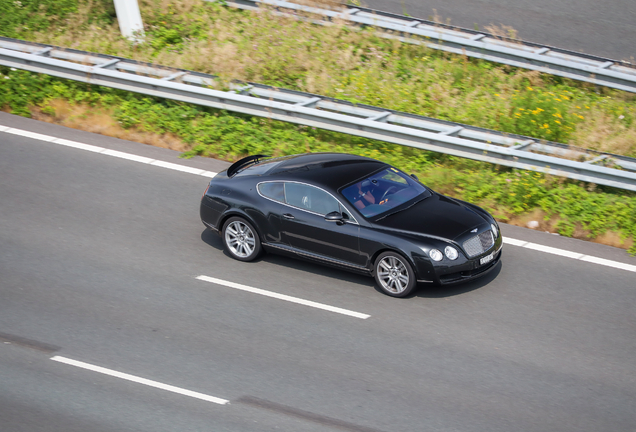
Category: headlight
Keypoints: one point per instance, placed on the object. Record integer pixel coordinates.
(435, 255)
(451, 253)
(494, 229)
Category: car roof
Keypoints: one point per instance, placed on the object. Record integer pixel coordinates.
(331, 170)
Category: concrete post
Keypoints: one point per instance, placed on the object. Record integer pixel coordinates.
(129, 19)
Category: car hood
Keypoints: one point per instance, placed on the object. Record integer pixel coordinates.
(436, 215)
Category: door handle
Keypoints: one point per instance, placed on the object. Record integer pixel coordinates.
(288, 216)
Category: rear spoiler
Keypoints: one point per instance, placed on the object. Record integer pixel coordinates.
(236, 166)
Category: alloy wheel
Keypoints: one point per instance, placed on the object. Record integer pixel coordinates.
(393, 274)
(240, 239)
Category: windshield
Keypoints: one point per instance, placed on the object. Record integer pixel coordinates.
(383, 191)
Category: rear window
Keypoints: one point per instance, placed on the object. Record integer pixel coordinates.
(259, 168)
(273, 190)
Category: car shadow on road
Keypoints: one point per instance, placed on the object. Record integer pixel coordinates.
(458, 288)
(213, 239)
(311, 267)
(424, 291)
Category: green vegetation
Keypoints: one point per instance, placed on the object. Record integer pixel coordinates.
(26, 17)
(569, 208)
(356, 65)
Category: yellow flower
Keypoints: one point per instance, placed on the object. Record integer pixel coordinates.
(530, 88)
(556, 121)
(545, 125)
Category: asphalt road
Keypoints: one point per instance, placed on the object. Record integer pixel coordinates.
(98, 263)
(602, 28)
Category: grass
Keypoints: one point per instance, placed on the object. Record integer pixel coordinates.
(358, 66)
(570, 208)
(355, 65)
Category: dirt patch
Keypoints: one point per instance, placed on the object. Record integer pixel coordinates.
(102, 121)
(550, 224)
(613, 239)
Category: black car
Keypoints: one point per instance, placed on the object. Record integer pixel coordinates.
(351, 212)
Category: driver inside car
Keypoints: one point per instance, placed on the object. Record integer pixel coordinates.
(364, 197)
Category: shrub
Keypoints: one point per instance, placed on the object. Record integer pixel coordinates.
(505, 192)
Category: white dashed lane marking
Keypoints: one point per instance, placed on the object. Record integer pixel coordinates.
(139, 380)
(283, 297)
(196, 171)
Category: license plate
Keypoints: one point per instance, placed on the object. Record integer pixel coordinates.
(487, 259)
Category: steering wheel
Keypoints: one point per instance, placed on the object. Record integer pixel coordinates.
(392, 189)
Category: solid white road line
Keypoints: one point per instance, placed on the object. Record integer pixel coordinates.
(28, 134)
(108, 152)
(177, 167)
(78, 145)
(128, 156)
(569, 254)
(210, 174)
(283, 297)
(608, 263)
(554, 251)
(139, 380)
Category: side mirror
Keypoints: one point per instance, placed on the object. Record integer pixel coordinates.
(334, 216)
(415, 177)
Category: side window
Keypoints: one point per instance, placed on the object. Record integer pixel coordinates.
(310, 198)
(275, 191)
(298, 195)
(345, 213)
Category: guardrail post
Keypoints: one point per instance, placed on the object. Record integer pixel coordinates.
(129, 18)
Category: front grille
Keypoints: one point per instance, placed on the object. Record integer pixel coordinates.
(479, 244)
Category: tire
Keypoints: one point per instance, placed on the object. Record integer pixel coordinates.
(241, 239)
(394, 275)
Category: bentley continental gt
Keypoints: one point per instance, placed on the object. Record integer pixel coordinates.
(351, 212)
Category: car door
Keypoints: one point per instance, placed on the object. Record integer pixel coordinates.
(269, 219)
(305, 227)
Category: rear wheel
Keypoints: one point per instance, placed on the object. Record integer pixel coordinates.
(241, 240)
(394, 274)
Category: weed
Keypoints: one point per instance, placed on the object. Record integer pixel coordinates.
(335, 61)
(356, 65)
(570, 208)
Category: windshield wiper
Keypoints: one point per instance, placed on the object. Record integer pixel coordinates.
(401, 210)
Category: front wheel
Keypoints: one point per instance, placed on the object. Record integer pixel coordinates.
(241, 240)
(394, 275)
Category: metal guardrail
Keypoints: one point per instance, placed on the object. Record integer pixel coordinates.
(322, 112)
(555, 61)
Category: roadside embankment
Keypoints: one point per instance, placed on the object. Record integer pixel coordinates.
(353, 65)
